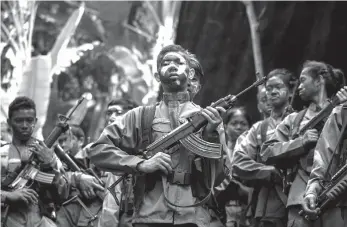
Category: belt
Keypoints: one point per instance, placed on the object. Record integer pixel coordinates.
(179, 178)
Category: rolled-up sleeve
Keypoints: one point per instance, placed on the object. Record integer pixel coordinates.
(324, 151)
(117, 147)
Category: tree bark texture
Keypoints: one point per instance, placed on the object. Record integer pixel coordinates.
(290, 33)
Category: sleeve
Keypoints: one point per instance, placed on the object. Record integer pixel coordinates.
(117, 147)
(323, 153)
(280, 146)
(244, 162)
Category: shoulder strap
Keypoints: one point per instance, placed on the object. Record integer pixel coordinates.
(147, 118)
(297, 121)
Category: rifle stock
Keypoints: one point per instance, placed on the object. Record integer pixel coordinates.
(193, 124)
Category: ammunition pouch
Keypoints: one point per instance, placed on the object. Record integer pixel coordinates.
(179, 178)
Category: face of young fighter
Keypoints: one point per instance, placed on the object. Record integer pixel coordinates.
(70, 143)
(276, 91)
(113, 112)
(174, 72)
(308, 87)
(236, 125)
(22, 123)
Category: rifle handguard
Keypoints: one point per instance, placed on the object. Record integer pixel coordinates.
(56, 132)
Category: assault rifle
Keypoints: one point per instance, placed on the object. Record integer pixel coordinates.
(318, 121)
(333, 191)
(185, 132)
(30, 171)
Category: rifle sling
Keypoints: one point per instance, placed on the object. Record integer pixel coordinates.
(112, 187)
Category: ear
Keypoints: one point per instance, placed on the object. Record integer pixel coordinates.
(191, 73)
(320, 80)
(156, 76)
(81, 141)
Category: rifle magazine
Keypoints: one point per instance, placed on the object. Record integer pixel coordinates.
(46, 178)
(201, 147)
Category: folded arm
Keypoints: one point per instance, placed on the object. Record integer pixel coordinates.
(280, 147)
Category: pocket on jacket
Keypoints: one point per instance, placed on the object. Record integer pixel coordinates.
(161, 125)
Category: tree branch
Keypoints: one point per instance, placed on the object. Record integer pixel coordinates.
(10, 38)
(154, 13)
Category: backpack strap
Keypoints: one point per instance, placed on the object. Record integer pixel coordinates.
(147, 118)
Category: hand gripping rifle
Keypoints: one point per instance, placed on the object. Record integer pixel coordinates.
(318, 121)
(334, 191)
(185, 132)
(30, 171)
(75, 168)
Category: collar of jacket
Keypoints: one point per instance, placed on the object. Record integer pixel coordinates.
(179, 96)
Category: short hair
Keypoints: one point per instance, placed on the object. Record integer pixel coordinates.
(77, 131)
(231, 112)
(334, 78)
(172, 48)
(195, 64)
(285, 75)
(21, 102)
(125, 103)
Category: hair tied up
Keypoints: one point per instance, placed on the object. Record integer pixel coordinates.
(339, 77)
